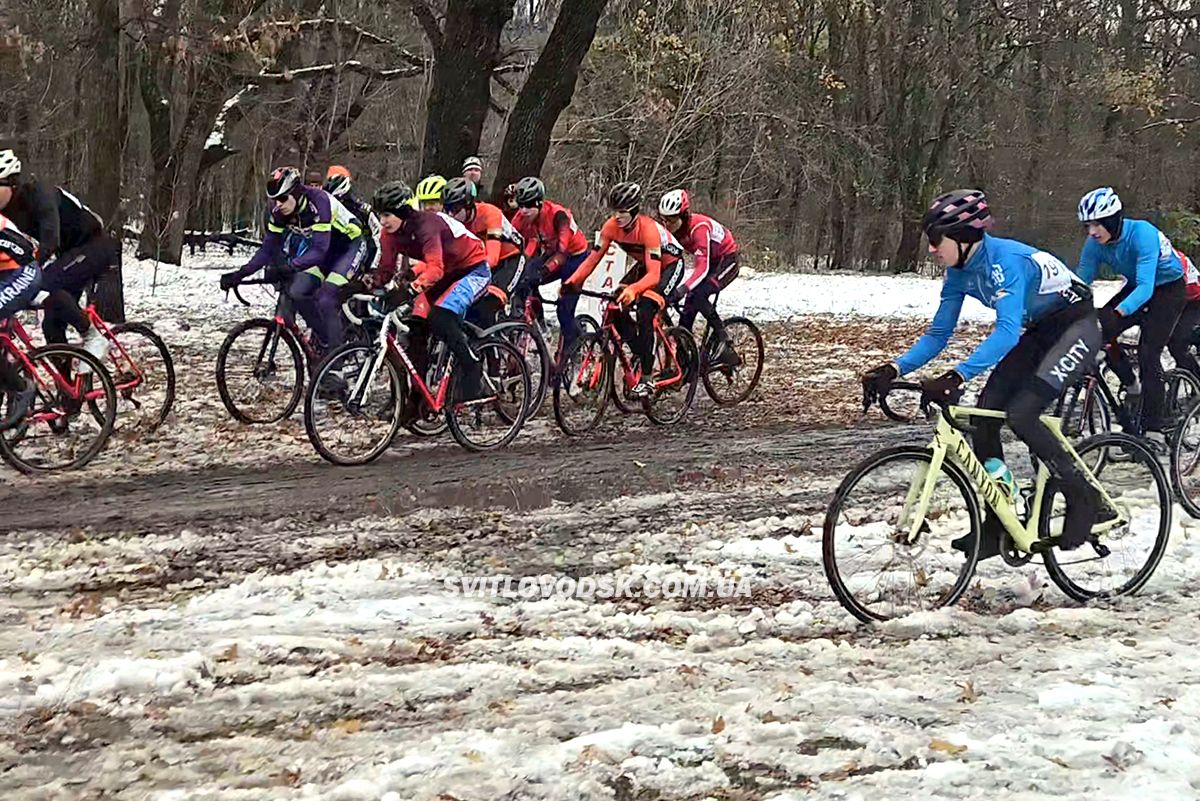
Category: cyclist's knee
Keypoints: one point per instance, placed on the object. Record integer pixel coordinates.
(1025, 411)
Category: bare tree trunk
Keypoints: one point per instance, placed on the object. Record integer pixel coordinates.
(460, 93)
(108, 128)
(547, 91)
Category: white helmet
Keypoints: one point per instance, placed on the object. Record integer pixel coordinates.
(673, 203)
(1099, 204)
(10, 165)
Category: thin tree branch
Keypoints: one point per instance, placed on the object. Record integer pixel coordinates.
(304, 73)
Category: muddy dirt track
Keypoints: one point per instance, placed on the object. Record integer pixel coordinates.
(526, 476)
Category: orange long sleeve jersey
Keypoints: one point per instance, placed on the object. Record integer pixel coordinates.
(647, 242)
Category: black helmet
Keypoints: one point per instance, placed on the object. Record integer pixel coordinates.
(394, 197)
(283, 181)
(458, 193)
(530, 192)
(962, 215)
(338, 185)
(625, 196)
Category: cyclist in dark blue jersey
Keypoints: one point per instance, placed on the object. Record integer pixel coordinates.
(1046, 336)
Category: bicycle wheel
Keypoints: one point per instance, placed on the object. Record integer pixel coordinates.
(256, 382)
(353, 405)
(56, 433)
(484, 425)
(1185, 461)
(671, 404)
(874, 571)
(730, 384)
(528, 341)
(1084, 412)
(1120, 561)
(583, 389)
(144, 374)
(1183, 390)
(587, 324)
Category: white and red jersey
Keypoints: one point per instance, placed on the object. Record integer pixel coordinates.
(1191, 277)
(708, 241)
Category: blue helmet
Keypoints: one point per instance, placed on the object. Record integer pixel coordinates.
(1099, 204)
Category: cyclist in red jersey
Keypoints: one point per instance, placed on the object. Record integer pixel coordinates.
(455, 273)
(555, 245)
(714, 266)
(655, 275)
(1184, 336)
(504, 245)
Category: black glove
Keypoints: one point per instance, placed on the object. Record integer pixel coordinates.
(276, 274)
(399, 296)
(350, 289)
(877, 382)
(230, 280)
(566, 288)
(945, 389)
(677, 294)
(1110, 322)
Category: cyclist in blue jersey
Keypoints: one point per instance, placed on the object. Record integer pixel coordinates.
(1046, 336)
(1153, 296)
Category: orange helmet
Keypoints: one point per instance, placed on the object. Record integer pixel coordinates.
(337, 169)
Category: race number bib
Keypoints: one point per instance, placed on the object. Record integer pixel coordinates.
(1055, 275)
(1165, 248)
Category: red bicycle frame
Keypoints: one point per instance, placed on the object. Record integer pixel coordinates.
(9, 346)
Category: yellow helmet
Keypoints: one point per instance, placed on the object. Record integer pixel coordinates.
(430, 189)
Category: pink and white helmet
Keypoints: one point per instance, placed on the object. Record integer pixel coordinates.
(673, 203)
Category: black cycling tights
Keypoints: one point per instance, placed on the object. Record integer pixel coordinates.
(1157, 319)
(641, 337)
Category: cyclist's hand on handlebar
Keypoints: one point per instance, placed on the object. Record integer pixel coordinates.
(627, 296)
(230, 279)
(945, 389)
(676, 295)
(400, 295)
(568, 287)
(350, 289)
(876, 382)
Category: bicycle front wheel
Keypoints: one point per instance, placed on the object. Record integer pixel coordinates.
(1121, 560)
(1185, 461)
(57, 433)
(736, 377)
(581, 393)
(353, 406)
(528, 341)
(876, 567)
(260, 372)
(671, 404)
(1182, 391)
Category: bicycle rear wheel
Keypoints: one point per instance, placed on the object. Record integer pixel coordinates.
(256, 382)
(1183, 390)
(731, 383)
(144, 374)
(671, 404)
(1185, 461)
(1120, 561)
(493, 422)
(56, 433)
(528, 341)
(582, 391)
(874, 569)
(353, 406)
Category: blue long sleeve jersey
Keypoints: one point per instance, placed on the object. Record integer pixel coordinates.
(1023, 284)
(1143, 256)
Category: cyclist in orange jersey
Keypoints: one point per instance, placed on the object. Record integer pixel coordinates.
(657, 271)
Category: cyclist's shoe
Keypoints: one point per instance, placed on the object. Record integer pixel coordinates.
(333, 387)
(18, 402)
(470, 383)
(1157, 441)
(643, 388)
(989, 538)
(725, 356)
(1083, 509)
(96, 344)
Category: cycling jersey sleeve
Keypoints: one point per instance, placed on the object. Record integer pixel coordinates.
(1089, 261)
(493, 234)
(1146, 244)
(322, 232)
(593, 259)
(44, 203)
(702, 237)
(934, 340)
(271, 246)
(562, 240)
(1009, 303)
(429, 239)
(652, 259)
(389, 255)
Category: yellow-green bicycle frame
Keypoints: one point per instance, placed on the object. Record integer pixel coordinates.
(947, 439)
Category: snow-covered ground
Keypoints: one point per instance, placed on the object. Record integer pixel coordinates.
(278, 660)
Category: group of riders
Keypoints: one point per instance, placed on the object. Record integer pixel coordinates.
(1048, 333)
(452, 253)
